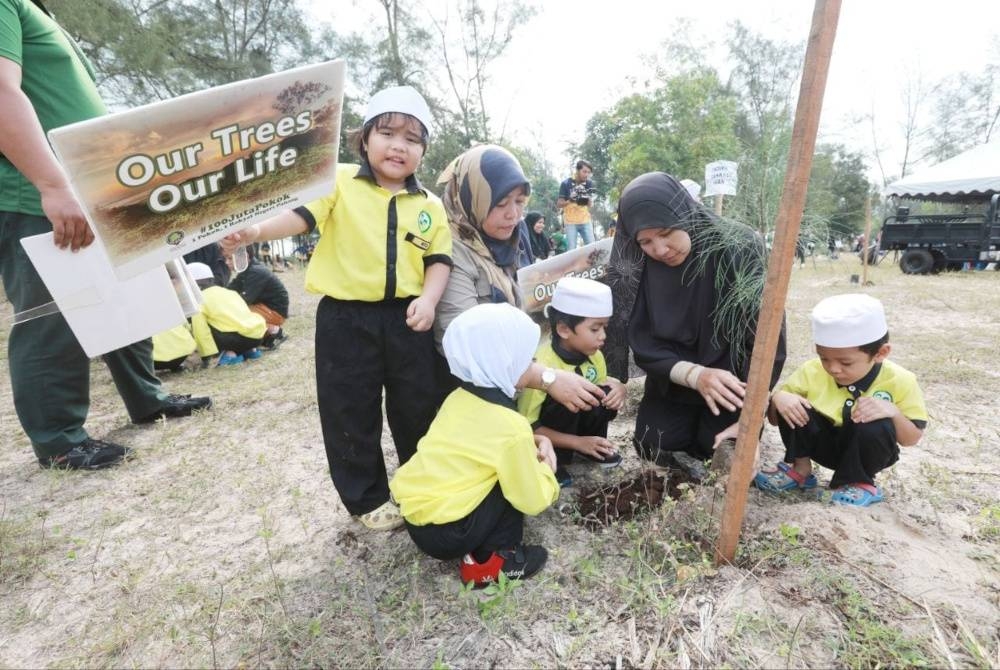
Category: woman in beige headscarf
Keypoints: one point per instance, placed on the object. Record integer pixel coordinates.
(485, 192)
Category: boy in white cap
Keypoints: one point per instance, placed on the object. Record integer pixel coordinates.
(849, 409)
(480, 469)
(225, 322)
(381, 264)
(578, 316)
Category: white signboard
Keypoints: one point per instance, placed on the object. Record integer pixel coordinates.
(159, 181)
(720, 178)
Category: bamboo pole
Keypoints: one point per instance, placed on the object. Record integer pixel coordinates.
(867, 243)
(718, 204)
(786, 231)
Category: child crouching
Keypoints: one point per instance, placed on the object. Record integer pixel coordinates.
(480, 469)
(578, 316)
(848, 410)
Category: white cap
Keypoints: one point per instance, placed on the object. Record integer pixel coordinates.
(401, 99)
(693, 187)
(848, 320)
(200, 271)
(577, 296)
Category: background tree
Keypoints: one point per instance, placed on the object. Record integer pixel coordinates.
(148, 50)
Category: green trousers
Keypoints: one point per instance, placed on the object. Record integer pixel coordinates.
(49, 373)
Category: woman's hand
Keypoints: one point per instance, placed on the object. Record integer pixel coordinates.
(721, 388)
(794, 409)
(615, 399)
(546, 454)
(574, 392)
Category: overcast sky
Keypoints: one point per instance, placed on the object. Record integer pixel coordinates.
(880, 45)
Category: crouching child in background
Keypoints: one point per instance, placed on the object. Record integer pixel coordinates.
(578, 316)
(225, 322)
(480, 469)
(849, 409)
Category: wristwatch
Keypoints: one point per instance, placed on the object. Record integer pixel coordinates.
(548, 376)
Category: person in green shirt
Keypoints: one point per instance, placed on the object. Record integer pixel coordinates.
(45, 83)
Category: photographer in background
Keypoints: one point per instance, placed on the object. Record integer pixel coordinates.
(575, 196)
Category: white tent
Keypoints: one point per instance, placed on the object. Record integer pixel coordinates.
(970, 176)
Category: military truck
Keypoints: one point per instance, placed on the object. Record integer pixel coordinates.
(931, 243)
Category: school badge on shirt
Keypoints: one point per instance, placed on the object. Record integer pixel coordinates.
(591, 374)
(424, 221)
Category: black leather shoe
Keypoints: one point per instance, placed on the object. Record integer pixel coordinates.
(88, 455)
(176, 406)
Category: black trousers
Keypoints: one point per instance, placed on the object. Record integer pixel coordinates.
(855, 452)
(234, 341)
(361, 348)
(592, 422)
(663, 424)
(494, 524)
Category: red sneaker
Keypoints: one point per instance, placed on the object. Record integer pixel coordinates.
(519, 562)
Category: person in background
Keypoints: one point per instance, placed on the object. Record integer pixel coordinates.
(480, 469)
(212, 256)
(383, 259)
(171, 348)
(45, 83)
(225, 323)
(265, 294)
(576, 194)
(541, 245)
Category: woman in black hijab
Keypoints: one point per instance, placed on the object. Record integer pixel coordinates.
(687, 288)
(541, 245)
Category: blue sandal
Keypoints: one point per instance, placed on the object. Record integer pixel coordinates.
(856, 496)
(783, 478)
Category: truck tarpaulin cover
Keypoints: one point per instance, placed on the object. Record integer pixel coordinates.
(968, 177)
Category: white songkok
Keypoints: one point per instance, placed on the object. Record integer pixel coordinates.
(401, 99)
(200, 271)
(848, 320)
(577, 296)
(692, 187)
(491, 345)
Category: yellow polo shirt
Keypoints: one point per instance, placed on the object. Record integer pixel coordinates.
(472, 445)
(226, 311)
(374, 245)
(893, 383)
(530, 402)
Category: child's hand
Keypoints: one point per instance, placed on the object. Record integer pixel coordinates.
(595, 446)
(794, 409)
(240, 238)
(420, 314)
(546, 454)
(872, 409)
(615, 399)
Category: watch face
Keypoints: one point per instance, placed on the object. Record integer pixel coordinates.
(548, 376)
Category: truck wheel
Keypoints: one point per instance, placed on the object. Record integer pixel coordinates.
(916, 262)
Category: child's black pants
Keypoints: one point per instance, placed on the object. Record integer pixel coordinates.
(856, 452)
(361, 348)
(493, 525)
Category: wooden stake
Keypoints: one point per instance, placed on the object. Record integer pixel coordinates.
(868, 236)
(718, 205)
(786, 231)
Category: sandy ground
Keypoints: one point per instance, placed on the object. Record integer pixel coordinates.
(223, 542)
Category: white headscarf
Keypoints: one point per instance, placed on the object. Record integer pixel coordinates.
(491, 345)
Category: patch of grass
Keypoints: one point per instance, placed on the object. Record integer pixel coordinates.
(25, 544)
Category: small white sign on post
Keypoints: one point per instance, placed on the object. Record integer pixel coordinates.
(720, 178)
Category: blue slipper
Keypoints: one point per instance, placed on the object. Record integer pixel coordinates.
(782, 479)
(856, 496)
